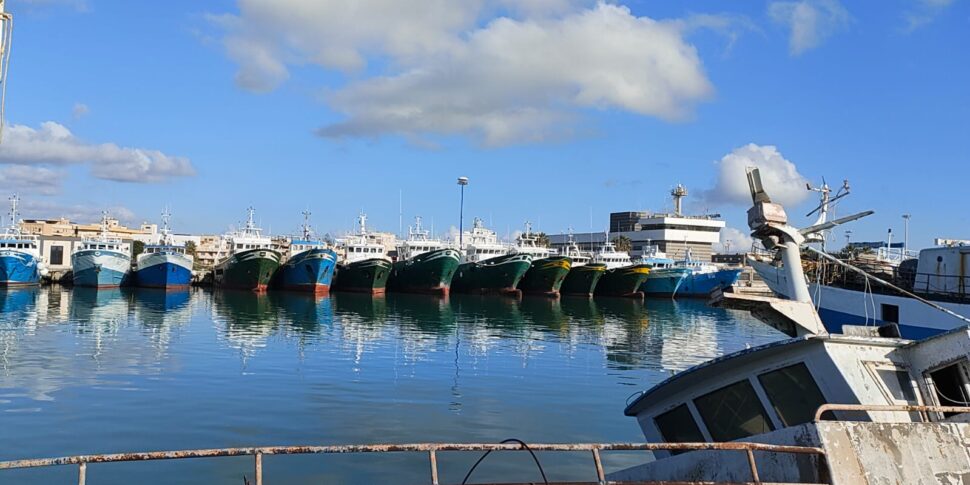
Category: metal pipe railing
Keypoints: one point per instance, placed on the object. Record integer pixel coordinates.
(912, 408)
(431, 448)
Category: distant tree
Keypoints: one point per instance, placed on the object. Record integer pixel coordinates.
(542, 239)
(190, 248)
(137, 247)
(623, 244)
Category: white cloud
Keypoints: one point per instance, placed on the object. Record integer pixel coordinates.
(27, 178)
(54, 144)
(781, 179)
(733, 241)
(80, 110)
(810, 21)
(83, 213)
(923, 12)
(441, 70)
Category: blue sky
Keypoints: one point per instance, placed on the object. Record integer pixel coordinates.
(555, 109)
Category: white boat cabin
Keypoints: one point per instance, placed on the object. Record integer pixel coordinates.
(482, 244)
(943, 272)
(527, 243)
(612, 258)
(571, 250)
(250, 237)
(419, 241)
(360, 247)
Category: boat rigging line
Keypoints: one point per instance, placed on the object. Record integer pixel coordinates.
(886, 283)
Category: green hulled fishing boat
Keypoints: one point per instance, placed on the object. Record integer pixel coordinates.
(251, 261)
(623, 281)
(582, 280)
(499, 275)
(426, 266)
(545, 276)
(365, 267)
(622, 277)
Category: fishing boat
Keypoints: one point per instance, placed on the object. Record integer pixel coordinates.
(164, 265)
(548, 269)
(251, 259)
(664, 278)
(940, 275)
(622, 276)
(489, 266)
(101, 261)
(583, 274)
(703, 278)
(425, 264)
(864, 406)
(365, 267)
(20, 260)
(309, 265)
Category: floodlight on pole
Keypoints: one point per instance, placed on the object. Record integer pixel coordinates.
(462, 182)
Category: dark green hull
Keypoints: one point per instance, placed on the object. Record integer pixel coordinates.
(623, 282)
(497, 275)
(582, 280)
(247, 270)
(545, 276)
(430, 272)
(367, 276)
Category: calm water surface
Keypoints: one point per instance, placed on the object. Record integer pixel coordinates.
(85, 371)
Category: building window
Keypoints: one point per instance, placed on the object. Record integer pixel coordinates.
(733, 412)
(57, 254)
(793, 394)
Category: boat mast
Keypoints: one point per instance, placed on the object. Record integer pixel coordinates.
(825, 201)
(104, 225)
(307, 233)
(165, 232)
(6, 36)
(14, 226)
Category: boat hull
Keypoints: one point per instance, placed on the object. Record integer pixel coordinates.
(310, 271)
(367, 276)
(623, 282)
(429, 272)
(582, 280)
(18, 269)
(164, 270)
(247, 270)
(499, 275)
(545, 276)
(698, 284)
(664, 282)
(842, 306)
(99, 268)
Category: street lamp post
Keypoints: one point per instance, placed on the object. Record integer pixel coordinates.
(906, 232)
(462, 182)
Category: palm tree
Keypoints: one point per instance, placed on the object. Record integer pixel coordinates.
(623, 244)
(542, 239)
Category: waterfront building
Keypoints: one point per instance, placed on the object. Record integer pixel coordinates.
(673, 233)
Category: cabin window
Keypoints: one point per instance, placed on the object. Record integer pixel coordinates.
(57, 254)
(793, 394)
(678, 426)
(890, 313)
(950, 386)
(733, 412)
(898, 384)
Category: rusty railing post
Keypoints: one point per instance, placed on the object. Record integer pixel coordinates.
(434, 466)
(82, 473)
(600, 475)
(754, 466)
(259, 468)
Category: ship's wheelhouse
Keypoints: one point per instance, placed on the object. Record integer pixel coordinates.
(782, 385)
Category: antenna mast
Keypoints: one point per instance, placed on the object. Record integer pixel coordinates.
(678, 193)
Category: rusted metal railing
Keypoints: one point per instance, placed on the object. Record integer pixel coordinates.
(431, 448)
(911, 408)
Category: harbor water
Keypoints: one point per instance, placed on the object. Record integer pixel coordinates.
(87, 371)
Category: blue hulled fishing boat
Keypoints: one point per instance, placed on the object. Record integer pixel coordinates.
(20, 261)
(705, 277)
(310, 264)
(164, 265)
(101, 261)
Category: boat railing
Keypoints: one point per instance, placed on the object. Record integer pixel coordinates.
(907, 408)
(432, 449)
(895, 255)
